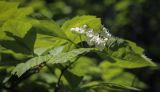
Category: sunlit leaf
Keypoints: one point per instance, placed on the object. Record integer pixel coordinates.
(90, 21)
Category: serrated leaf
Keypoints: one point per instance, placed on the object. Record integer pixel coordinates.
(69, 56)
(133, 61)
(58, 57)
(126, 54)
(21, 68)
(50, 50)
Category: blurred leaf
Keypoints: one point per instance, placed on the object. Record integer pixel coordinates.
(122, 5)
(84, 66)
(20, 45)
(7, 10)
(73, 79)
(115, 74)
(18, 27)
(40, 7)
(49, 27)
(113, 87)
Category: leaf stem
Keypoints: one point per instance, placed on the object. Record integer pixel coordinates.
(81, 40)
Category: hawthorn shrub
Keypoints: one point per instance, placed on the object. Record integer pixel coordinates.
(37, 54)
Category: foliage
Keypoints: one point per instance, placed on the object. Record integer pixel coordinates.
(37, 54)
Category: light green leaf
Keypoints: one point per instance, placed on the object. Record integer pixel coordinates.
(49, 27)
(50, 50)
(46, 41)
(23, 12)
(7, 9)
(69, 56)
(18, 27)
(90, 21)
(10, 10)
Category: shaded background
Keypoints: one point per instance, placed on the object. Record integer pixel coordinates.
(135, 20)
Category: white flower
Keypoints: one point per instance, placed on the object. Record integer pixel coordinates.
(105, 39)
(97, 39)
(80, 30)
(101, 45)
(90, 33)
(104, 32)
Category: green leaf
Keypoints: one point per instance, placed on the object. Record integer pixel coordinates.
(10, 10)
(17, 56)
(135, 48)
(20, 45)
(36, 61)
(21, 68)
(46, 41)
(132, 60)
(69, 56)
(90, 21)
(118, 75)
(108, 86)
(7, 9)
(72, 79)
(18, 27)
(23, 12)
(125, 54)
(56, 57)
(50, 50)
(85, 65)
(49, 27)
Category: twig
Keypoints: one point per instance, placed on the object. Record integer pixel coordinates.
(62, 71)
(59, 79)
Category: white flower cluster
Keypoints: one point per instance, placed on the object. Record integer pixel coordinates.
(97, 39)
(80, 30)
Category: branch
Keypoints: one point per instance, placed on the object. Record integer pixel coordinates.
(62, 72)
